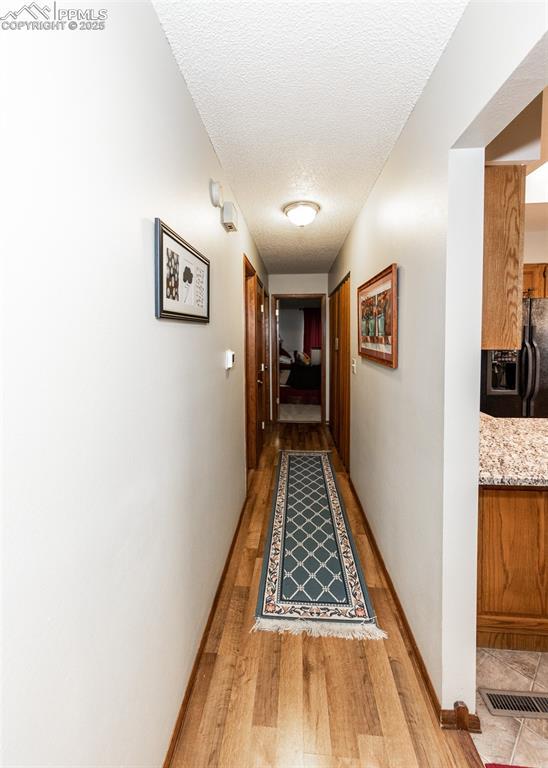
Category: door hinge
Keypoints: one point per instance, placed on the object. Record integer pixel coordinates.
(262, 367)
(262, 308)
(336, 342)
(262, 424)
(277, 312)
(277, 401)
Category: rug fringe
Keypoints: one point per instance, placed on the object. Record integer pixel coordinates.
(315, 628)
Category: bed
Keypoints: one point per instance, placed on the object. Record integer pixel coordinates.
(303, 385)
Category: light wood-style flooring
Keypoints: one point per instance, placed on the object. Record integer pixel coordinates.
(263, 700)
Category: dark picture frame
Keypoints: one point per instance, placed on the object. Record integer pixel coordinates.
(182, 277)
(378, 318)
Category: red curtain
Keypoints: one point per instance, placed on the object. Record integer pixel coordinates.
(312, 329)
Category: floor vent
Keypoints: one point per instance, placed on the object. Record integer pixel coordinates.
(515, 703)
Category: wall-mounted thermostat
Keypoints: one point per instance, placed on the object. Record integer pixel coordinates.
(230, 359)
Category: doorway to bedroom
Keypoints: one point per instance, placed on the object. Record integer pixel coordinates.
(298, 358)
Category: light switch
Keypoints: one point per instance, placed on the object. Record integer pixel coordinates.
(230, 359)
(354, 369)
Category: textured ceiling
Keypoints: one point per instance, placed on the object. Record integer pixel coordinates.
(305, 100)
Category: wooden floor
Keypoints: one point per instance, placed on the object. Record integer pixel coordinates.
(281, 701)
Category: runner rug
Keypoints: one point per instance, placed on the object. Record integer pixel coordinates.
(311, 579)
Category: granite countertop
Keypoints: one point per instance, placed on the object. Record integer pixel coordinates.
(513, 451)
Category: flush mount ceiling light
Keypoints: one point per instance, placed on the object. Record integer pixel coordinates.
(302, 212)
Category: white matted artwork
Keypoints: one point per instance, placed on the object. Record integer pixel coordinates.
(378, 318)
(182, 277)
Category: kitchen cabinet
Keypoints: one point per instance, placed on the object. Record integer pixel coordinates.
(512, 572)
(535, 284)
(504, 220)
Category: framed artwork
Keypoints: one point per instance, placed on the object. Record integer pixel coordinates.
(378, 317)
(182, 277)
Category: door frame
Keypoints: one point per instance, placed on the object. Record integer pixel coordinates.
(267, 356)
(275, 348)
(339, 361)
(251, 281)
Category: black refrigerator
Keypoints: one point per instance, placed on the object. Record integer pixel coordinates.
(514, 383)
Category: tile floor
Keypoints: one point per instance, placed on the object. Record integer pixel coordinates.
(509, 740)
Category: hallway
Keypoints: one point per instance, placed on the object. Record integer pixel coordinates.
(264, 699)
(195, 164)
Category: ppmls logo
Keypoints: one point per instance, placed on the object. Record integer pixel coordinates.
(42, 17)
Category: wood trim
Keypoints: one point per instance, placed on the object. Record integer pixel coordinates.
(250, 292)
(521, 624)
(275, 355)
(336, 288)
(249, 269)
(340, 358)
(275, 328)
(199, 653)
(267, 337)
(461, 744)
(324, 357)
(445, 720)
(460, 719)
(526, 633)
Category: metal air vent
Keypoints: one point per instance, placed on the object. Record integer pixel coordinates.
(515, 703)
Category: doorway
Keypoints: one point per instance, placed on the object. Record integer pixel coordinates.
(339, 379)
(298, 358)
(256, 393)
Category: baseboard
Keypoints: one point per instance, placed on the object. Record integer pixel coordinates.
(518, 633)
(451, 715)
(460, 719)
(192, 679)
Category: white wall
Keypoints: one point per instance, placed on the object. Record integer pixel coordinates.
(309, 283)
(535, 247)
(123, 440)
(413, 453)
(292, 329)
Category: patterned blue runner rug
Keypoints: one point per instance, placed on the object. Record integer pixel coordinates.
(311, 579)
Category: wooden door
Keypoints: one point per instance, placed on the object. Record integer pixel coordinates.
(339, 346)
(254, 365)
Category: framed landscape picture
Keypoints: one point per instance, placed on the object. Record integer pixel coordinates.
(182, 277)
(378, 317)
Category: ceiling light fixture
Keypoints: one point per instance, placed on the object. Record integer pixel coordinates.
(301, 213)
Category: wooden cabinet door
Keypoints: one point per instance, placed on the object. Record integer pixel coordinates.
(513, 568)
(504, 220)
(534, 281)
